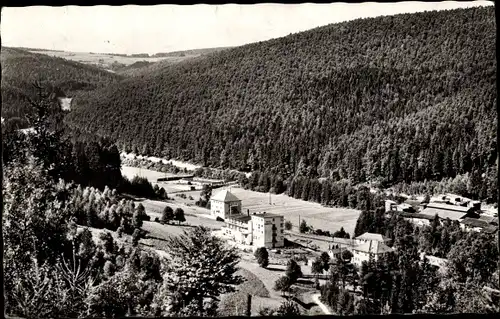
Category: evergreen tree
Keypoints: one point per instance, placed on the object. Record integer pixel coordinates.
(196, 251)
(167, 215)
(179, 215)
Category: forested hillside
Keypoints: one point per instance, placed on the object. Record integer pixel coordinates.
(21, 68)
(393, 99)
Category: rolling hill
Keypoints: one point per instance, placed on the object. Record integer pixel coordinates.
(20, 69)
(402, 98)
(127, 65)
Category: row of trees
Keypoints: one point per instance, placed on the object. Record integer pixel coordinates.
(473, 185)
(391, 99)
(93, 208)
(169, 215)
(324, 191)
(158, 166)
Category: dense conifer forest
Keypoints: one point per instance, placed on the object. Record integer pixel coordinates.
(64, 78)
(396, 99)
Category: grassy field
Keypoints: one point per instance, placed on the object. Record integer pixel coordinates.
(192, 212)
(152, 176)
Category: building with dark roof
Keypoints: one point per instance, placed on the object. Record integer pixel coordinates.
(224, 204)
(445, 211)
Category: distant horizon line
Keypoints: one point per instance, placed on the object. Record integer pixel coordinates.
(122, 54)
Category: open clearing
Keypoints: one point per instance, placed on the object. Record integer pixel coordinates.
(194, 214)
(179, 164)
(152, 176)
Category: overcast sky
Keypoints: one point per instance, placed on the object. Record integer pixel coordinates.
(165, 28)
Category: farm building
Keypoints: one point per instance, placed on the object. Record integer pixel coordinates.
(258, 229)
(392, 206)
(483, 223)
(224, 204)
(452, 212)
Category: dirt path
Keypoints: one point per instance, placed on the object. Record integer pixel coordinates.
(323, 307)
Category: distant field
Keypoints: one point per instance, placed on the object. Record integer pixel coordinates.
(106, 60)
(109, 61)
(152, 176)
(179, 164)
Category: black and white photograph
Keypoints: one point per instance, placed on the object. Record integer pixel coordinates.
(253, 160)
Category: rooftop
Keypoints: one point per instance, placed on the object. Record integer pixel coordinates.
(240, 218)
(225, 196)
(448, 207)
(373, 247)
(444, 213)
(474, 222)
(372, 236)
(265, 215)
(488, 219)
(412, 202)
(490, 229)
(343, 241)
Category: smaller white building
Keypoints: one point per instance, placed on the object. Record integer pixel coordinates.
(225, 204)
(371, 249)
(363, 247)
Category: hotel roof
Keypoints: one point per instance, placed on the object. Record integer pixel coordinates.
(264, 214)
(372, 236)
(240, 217)
(449, 207)
(373, 248)
(225, 196)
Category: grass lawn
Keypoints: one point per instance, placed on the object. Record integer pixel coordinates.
(194, 215)
(234, 304)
